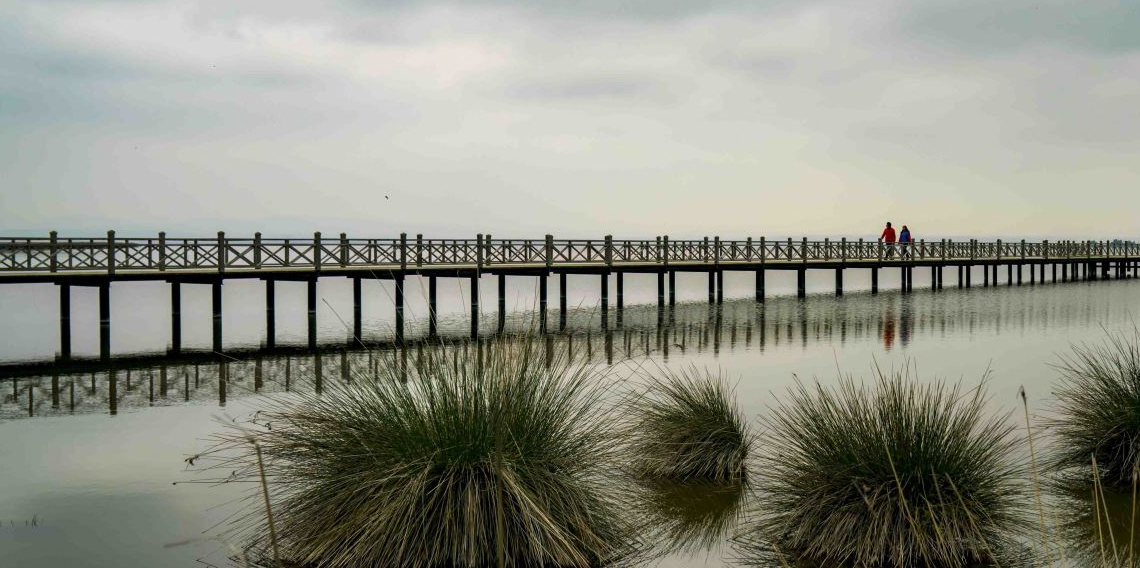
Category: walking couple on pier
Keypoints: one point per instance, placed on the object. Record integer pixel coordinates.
(904, 241)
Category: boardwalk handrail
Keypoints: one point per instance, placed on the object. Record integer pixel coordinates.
(111, 254)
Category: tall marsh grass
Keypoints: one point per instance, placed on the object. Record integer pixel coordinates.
(687, 426)
(896, 474)
(504, 459)
(1098, 410)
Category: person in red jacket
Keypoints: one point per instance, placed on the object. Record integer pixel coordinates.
(888, 237)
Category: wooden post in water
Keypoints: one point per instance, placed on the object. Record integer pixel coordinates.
(672, 287)
(216, 296)
(902, 279)
(986, 276)
(801, 282)
(398, 280)
(475, 286)
(311, 295)
(105, 320)
(357, 310)
(433, 319)
(175, 317)
(712, 286)
(605, 305)
(502, 301)
(719, 286)
(875, 280)
(65, 321)
(838, 281)
(270, 314)
(660, 289)
(542, 283)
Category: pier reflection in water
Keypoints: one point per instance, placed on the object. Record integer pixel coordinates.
(683, 331)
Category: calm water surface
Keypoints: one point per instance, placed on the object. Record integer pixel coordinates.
(94, 457)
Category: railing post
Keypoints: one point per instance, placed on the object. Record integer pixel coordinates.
(609, 252)
(804, 251)
(162, 251)
(110, 252)
(943, 251)
(973, 249)
(1022, 249)
(487, 252)
(789, 251)
(859, 251)
(880, 253)
(843, 250)
(763, 250)
(705, 250)
(550, 252)
(343, 250)
(317, 251)
(827, 248)
(748, 249)
(403, 251)
(922, 248)
(665, 251)
(998, 250)
(54, 247)
(221, 252)
(1045, 249)
(478, 252)
(419, 249)
(716, 250)
(256, 248)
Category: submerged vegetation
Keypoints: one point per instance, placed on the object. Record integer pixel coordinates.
(689, 516)
(688, 427)
(1098, 410)
(499, 457)
(902, 474)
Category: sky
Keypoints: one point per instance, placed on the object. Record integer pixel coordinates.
(579, 118)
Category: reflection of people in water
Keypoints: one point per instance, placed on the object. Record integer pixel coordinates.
(888, 329)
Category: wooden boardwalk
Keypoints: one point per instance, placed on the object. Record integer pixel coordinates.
(101, 261)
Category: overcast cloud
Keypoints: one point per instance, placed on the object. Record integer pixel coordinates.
(634, 118)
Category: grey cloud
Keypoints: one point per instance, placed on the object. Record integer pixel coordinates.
(644, 10)
(589, 87)
(980, 26)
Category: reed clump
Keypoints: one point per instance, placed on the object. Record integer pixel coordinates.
(499, 456)
(687, 426)
(897, 474)
(1098, 410)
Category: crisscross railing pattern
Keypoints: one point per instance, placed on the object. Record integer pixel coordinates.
(222, 253)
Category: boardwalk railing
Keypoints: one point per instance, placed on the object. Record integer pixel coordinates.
(222, 253)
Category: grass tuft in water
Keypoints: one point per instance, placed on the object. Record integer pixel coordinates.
(897, 474)
(503, 455)
(1098, 410)
(688, 427)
